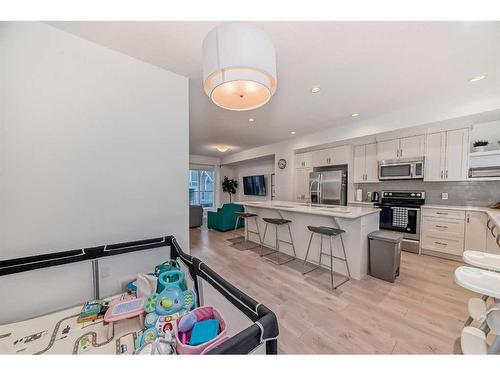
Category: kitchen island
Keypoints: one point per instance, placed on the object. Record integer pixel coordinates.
(357, 222)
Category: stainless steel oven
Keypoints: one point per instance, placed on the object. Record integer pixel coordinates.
(400, 212)
(401, 169)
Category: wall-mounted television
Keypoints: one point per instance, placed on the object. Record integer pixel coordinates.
(254, 185)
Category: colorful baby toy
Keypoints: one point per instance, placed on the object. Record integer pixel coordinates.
(169, 265)
(173, 278)
(163, 308)
(200, 330)
(202, 325)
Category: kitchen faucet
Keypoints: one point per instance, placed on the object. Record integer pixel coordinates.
(310, 190)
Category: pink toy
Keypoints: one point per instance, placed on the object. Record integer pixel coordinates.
(124, 310)
(202, 313)
(183, 337)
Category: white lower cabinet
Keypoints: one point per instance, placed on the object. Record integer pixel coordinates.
(453, 231)
(475, 230)
(443, 231)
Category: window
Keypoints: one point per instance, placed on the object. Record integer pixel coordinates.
(201, 187)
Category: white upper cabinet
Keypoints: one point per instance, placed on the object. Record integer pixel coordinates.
(359, 164)
(446, 156)
(303, 160)
(365, 163)
(371, 163)
(408, 147)
(412, 147)
(340, 155)
(388, 150)
(320, 158)
(457, 146)
(435, 157)
(331, 156)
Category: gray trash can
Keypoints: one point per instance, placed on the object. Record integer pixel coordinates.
(385, 254)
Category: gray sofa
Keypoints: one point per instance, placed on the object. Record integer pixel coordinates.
(195, 216)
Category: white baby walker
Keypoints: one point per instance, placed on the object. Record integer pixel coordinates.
(480, 334)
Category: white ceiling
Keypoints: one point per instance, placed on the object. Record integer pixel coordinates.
(371, 68)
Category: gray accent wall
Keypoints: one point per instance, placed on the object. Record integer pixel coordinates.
(460, 193)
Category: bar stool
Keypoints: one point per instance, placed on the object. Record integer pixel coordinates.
(277, 222)
(244, 216)
(331, 233)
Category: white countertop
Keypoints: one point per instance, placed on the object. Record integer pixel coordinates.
(494, 214)
(345, 212)
(369, 204)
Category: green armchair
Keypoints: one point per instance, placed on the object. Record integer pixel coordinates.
(225, 219)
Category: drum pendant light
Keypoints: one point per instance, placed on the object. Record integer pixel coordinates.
(239, 66)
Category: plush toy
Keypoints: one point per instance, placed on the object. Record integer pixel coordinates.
(187, 321)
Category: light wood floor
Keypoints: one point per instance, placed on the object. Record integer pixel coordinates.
(422, 312)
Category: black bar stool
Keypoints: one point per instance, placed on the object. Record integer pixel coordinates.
(244, 216)
(331, 233)
(277, 222)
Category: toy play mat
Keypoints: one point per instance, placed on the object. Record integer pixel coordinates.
(59, 333)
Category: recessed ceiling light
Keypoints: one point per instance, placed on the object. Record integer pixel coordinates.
(355, 115)
(292, 133)
(222, 148)
(315, 89)
(251, 119)
(477, 78)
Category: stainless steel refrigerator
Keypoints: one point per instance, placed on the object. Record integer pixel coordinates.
(328, 185)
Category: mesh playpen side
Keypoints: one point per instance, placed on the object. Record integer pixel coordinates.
(253, 327)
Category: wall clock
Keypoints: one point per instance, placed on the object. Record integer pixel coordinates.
(282, 164)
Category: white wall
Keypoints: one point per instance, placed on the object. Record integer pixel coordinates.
(93, 149)
(489, 131)
(253, 168)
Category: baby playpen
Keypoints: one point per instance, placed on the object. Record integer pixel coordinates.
(252, 327)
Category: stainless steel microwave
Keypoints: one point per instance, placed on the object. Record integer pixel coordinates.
(401, 169)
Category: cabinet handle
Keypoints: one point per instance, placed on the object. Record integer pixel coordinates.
(442, 226)
(447, 173)
(442, 175)
(440, 243)
(400, 152)
(442, 213)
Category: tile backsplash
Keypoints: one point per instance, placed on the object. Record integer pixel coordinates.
(462, 193)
